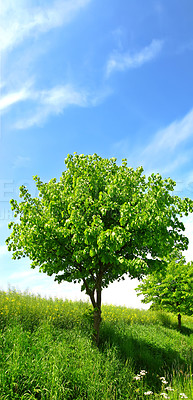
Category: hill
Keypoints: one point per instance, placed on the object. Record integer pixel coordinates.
(47, 353)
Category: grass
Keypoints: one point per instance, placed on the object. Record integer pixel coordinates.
(46, 352)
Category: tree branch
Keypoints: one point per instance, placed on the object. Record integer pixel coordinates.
(89, 292)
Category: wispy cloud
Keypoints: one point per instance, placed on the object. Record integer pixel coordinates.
(21, 161)
(45, 103)
(51, 102)
(9, 99)
(28, 273)
(54, 101)
(19, 19)
(62, 96)
(123, 61)
(168, 150)
(167, 145)
(172, 136)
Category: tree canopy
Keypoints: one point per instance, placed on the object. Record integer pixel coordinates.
(97, 223)
(172, 287)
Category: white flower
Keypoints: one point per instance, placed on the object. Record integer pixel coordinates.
(164, 381)
(183, 396)
(169, 388)
(137, 378)
(143, 372)
(164, 395)
(148, 393)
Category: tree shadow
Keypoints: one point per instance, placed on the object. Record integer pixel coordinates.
(185, 330)
(166, 322)
(157, 359)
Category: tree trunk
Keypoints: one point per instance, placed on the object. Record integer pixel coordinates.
(97, 322)
(96, 303)
(97, 314)
(179, 321)
(179, 315)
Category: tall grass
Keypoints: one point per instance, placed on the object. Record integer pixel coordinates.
(47, 353)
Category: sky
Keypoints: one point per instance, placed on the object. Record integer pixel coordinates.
(112, 77)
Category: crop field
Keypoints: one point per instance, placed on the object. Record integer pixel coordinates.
(47, 352)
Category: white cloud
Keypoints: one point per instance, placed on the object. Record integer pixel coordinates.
(168, 150)
(124, 61)
(177, 161)
(19, 20)
(118, 293)
(123, 293)
(25, 273)
(21, 161)
(14, 97)
(61, 97)
(173, 135)
(52, 102)
(167, 144)
(44, 103)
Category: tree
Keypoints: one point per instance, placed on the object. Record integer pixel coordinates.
(97, 223)
(171, 288)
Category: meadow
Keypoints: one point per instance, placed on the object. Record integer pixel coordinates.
(47, 352)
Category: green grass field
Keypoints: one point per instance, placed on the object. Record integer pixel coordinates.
(46, 352)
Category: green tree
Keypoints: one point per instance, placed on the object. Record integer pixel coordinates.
(97, 223)
(171, 288)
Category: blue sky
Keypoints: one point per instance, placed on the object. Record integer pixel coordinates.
(112, 77)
